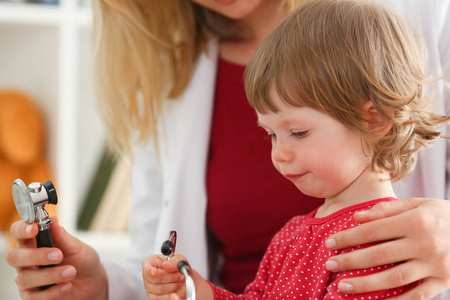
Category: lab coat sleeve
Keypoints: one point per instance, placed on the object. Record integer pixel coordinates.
(444, 48)
(146, 194)
(122, 284)
(444, 51)
(146, 205)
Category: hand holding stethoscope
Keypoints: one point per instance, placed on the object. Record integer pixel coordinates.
(30, 203)
(168, 249)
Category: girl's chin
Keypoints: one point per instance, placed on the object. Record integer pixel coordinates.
(310, 192)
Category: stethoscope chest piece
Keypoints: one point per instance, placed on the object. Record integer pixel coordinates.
(30, 201)
(23, 201)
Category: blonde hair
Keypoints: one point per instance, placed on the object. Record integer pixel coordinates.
(334, 56)
(145, 53)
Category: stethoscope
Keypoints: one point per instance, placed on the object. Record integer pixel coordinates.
(30, 203)
(168, 249)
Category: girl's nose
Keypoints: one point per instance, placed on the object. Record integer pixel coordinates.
(281, 152)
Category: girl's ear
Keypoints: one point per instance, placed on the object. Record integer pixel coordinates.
(374, 121)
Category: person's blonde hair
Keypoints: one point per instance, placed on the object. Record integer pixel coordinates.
(145, 53)
(336, 55)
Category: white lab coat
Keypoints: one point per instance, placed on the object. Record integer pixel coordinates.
(432, 19)
(172, 195)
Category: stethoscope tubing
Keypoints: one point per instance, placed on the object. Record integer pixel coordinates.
(168, 249)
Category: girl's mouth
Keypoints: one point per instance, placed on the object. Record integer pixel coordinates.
(294, 177)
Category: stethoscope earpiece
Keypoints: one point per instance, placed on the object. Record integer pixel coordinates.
(168, 246)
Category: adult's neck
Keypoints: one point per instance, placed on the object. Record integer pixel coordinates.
(255, 27)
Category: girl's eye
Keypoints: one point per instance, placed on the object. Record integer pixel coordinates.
(271, 136)
(298, 134)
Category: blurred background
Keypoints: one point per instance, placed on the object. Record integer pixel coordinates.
(49, 128)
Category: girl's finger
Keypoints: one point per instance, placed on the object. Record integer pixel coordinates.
(165, 288)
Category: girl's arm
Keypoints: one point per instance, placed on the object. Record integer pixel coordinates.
(161, 277)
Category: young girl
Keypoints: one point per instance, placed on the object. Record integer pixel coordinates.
(339, 88)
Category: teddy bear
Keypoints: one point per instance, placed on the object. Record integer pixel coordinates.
(22, 142)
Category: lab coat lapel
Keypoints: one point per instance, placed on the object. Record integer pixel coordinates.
(184, 152)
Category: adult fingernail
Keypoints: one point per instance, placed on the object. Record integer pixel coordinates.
(28, 229)
(330, 243)
(364, 212)
(65, 288)
(69, 272)
(54, 255)
(345, 287)
(331, 265)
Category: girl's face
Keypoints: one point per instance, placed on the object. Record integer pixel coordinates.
(317, 153)
(237, 9)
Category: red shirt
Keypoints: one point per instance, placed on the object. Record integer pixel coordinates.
(248, 200)
(294, 264)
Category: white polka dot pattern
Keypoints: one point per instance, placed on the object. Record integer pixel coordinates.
(294, 264)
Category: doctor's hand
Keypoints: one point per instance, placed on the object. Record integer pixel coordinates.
(78, 273)
(417, 235)
(163, 281)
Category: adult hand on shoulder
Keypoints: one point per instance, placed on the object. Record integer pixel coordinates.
(417, 234)
(78, 273)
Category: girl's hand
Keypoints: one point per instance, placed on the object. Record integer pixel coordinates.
(161, 277)
(417, 235)
(163, 281)
(78, 273)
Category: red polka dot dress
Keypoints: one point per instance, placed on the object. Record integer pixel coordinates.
(294, 264)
